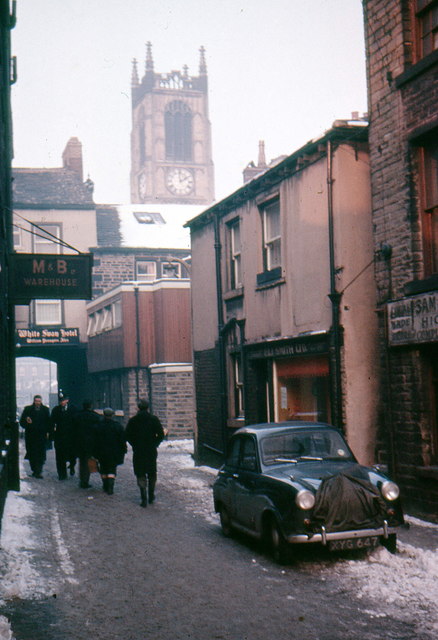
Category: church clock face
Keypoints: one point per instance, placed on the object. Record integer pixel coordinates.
(180, 181)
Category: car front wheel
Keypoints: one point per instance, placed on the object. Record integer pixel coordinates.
(278, 545)
(225, 521)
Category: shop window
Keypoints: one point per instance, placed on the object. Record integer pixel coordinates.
(235, 258)
(145, 270)
(302, 389)
(430, 207)
(426, 16)
(44, 238)
(47, 312)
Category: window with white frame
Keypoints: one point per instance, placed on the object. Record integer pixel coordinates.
(117, 313)
(16, 237)
(44, 238)
(145, 270)
(238, 385)
(271, 235)
(171, 270)
(235, 263)
(47, 312)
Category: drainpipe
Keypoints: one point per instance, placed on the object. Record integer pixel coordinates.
(221, 338)
(137, 331)
(335, 299)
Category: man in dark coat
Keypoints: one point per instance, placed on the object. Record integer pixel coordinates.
(35, 420)
(84, 424)
(63, 436)
(109, 448)
(144, 433)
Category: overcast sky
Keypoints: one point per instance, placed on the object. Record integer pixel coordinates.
(279, 70)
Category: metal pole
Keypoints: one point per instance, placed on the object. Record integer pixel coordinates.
(335, 298)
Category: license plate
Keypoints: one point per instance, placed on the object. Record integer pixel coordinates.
(354, 543)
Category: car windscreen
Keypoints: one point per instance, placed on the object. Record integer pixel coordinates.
(304, 445)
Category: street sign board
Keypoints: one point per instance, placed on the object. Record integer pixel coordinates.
(49, 277)
(46, 336)
(413, 320)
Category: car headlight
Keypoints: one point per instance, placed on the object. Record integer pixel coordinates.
(390, 490)
(305, 499)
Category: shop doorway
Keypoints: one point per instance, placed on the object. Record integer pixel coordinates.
(302, 389)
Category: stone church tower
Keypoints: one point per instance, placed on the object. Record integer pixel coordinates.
(171, 157)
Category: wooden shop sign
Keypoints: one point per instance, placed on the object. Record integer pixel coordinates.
(49, 277)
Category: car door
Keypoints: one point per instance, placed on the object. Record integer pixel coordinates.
(246, 483)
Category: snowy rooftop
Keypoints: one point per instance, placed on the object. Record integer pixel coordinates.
(155, 225)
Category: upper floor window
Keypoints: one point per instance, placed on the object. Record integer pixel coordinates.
(44, 238)
(271, 230)
(171, 270)
(17, 237)
(178, 131)
(145, 270)
(427, 26)
(235, 261)
(430, 208)
(47, 312)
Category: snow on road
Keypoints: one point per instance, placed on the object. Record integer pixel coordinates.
(404, 586)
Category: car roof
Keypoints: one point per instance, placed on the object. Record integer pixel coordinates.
(270, 428)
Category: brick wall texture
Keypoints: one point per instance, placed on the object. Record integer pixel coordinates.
(172, 401)
(399, 107)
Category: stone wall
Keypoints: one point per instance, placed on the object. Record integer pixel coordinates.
(172, 398)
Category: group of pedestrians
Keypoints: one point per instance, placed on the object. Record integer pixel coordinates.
(97, 442)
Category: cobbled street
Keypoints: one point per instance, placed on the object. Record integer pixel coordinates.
(88, 565)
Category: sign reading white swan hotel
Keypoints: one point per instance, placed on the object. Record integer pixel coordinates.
(413, 320)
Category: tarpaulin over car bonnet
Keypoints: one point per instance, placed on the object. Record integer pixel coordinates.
(347, 501)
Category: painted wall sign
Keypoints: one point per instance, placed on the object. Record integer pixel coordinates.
(314, 345)
(46, 336)
(413, 320)
(48, 277)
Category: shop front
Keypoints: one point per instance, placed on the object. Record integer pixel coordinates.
(288, 379)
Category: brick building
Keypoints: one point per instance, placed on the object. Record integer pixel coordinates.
(402, 68)
(139, 320)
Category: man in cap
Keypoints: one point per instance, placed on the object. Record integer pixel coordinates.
(144, 433)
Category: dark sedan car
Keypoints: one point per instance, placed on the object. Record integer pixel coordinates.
(296, 483)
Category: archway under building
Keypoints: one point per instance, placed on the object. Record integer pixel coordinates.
(65, 369)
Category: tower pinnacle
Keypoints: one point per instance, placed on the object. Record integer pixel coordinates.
(202, 62)
(149, 60)
(134, 75)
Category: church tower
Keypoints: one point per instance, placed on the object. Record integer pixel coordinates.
(171, 157)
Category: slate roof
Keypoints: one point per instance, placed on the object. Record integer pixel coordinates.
(58, 187)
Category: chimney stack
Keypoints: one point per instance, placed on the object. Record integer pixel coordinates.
(72, 157)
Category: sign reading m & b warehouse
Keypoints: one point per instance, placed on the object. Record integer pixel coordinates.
(47, 276)
(413, 320)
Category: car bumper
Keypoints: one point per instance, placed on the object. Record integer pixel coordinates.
(325, 536)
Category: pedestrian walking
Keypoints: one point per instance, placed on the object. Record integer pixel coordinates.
(144, 433)
(63, 436)
(35, 420)
(84, 426)
(109, 448)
